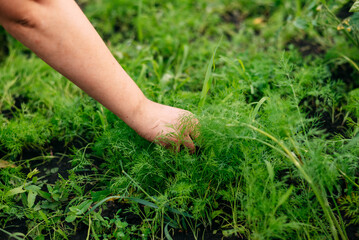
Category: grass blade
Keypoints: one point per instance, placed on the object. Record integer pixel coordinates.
(208, 78)
(167, 234)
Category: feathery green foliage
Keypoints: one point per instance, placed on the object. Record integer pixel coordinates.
(277, 155)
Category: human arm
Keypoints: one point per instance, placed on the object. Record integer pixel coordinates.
(59, 33)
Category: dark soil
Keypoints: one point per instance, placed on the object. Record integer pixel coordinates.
(81, 233)
(353, 232)
(315, 108)
(344, 11)
(53, 168)
(50, 168)
(4, 50)
(346, 73)
(207, 232)
(233, 16)
(121, 208)
(14, 226)
(307, 47)
(9, 113)
(46, 168)
(202, 235)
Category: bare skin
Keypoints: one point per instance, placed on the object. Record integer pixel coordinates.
(59, 33)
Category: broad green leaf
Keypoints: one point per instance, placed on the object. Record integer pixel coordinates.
(70, 218)
(80, 209)
(44, 217)
(355, 7)
(15, 191)
(49, 188)
(99, 195)
(31, 198)
(50, 205)
(85, 206)
(56, 195)
(34, 180)
(44, 194)
(143, 202)
(32, 188)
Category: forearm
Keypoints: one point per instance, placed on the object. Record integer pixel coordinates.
(59, 33)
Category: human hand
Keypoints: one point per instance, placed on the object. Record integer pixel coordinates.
(168, 126)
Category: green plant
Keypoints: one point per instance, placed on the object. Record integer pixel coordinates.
(350, 205)
(277, 101)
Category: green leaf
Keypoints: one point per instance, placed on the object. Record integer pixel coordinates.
(70, 218)
(59, 230)
(256, 109)
(143, 202)
(15, 191)
(216, 213)
(167, 234)
(85, 206)
(208, 78)
(284, 197)
(50, 205)
(44, 217)
(99, 195)
(45, 195)
(32, 173)
(31, 198)
(231, 232)
(33, 188)
(270, 170)
(41, 237)
(80, 209)
(355, 7)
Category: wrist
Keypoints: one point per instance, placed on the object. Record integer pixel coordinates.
(139, 118)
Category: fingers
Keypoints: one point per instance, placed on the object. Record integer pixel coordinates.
(194, 132)
(188, 143)
(174, 143)
(189, 132)
(180, 133)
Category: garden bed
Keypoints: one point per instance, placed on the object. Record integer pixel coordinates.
(278, 152)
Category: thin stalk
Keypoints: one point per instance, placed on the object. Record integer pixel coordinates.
(299, 113)
(162, 223)
(12, 235)
(347, 177)
(350, 61)
(137, 185)
(88, 231)
(337, 209)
